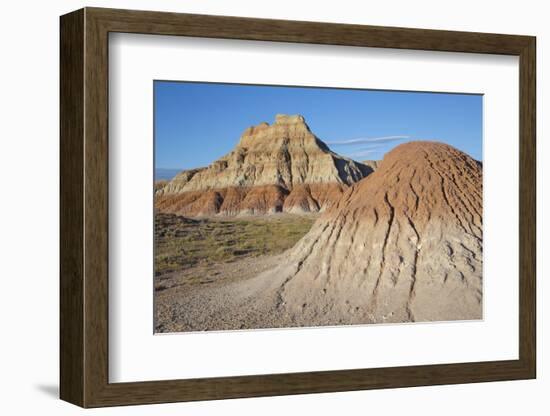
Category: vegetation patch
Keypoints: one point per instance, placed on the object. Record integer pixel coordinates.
(182, 243)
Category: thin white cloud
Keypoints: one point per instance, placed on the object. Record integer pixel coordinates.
(361, 140)
(373, 146)
(364, 153)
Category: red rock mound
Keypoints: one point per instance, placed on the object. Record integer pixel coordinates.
(405, 244)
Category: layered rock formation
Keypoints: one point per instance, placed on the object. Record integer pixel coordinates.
(273, 168)
(371, 163)
(403, 245)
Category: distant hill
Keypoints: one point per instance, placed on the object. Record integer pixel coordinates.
(281, 167)
(165, 174)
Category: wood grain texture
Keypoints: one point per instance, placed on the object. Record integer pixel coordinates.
(527, 208)
(71, 213)
(226, 27)
(96, 208)
(84, 207)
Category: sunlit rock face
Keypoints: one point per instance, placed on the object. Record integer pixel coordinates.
(281, 167)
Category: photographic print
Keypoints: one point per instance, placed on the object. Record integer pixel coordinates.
(286, 206)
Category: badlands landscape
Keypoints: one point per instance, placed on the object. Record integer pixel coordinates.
(284, 232)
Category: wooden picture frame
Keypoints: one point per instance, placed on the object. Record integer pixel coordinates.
(84, 207)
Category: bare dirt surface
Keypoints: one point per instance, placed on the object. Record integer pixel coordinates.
(218, 296)
(402, 245)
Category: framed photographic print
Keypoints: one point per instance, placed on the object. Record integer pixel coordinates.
(255, 207)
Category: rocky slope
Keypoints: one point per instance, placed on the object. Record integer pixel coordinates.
(373, 164)
(273, 168)
(403, 245)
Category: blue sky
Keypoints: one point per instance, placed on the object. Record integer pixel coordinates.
(196, 123)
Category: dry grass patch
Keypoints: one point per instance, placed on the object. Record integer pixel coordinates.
(182, 243)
